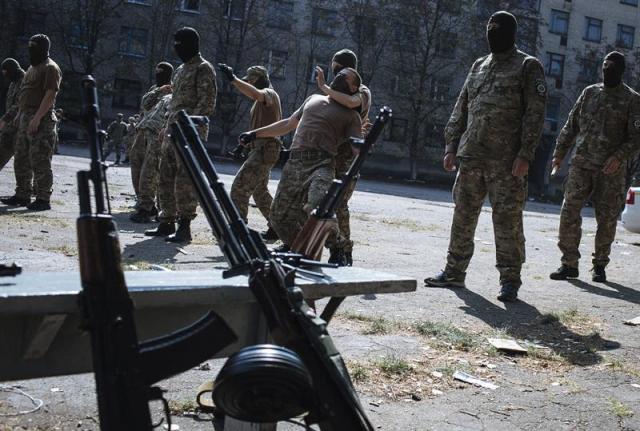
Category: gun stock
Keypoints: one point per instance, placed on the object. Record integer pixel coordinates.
(124, 368)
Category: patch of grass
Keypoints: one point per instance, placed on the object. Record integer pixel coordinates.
(570, 318)
(392, 365)
(378, 326)
(620, 366)
(403, 223)
(545, 355)
(349, 315)
(138, 265)
(182, 406)
(67, 250)
(359, 372)
(619, 409)
(447, 333)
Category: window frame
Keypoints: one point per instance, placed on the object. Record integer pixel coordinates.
(620, 40)
(555, 13)
(588, 21)
(128, 52)
(550, 61)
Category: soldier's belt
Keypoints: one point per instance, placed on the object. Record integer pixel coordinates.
(308, 155)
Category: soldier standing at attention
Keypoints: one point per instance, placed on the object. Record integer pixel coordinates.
(115, 134)
(493, 131)
(321, 125)
(13, 73)
(194, 90)
(604, 124)
(36, 128)
(145, 153)
(253, 177)
(341, 246)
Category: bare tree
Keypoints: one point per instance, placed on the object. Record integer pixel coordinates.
(84, 27)
(162, 19)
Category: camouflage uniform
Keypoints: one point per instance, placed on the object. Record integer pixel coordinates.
(194, 90)
(116, 133)
(253, 177)
(146, 153)
(343, 163)
(32, 159)
(604, 122)
(8, 133)
(498, 116)
(129, 139)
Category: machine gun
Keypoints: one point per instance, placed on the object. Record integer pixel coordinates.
(240, 392)
(125, 370)
(322, 221)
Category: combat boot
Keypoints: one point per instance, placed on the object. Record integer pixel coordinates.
(163, 229)
(598, 274)
(39, 205)
(16, 201)
(183, 234)
(564, 272)
(142, 216)
(349, 258)
(444, 280)
(336, 256)
(269, 235)
(508, 291)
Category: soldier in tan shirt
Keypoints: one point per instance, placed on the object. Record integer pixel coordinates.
(253, 177)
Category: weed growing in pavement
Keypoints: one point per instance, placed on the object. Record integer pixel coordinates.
(378, 326)
(182, 406)
(359, 373)
(137, 265)
(571, 318)
(393, 365)
(449, 334)
(619, 409)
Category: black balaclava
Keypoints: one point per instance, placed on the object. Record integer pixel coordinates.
(38, 49)
(163, 74)
(186, 43)
(345, 58)
(503, 37)
(13, 69)
(341, 84)
(612, 75)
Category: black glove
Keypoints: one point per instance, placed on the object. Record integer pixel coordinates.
(247, 137)
(238, 153)
(227, 71)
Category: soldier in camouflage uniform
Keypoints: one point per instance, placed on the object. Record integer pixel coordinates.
(253, 177)
(341, 246)
(493, 131)
(13, 73)
(194, 90)
(129, 138)
(146, 143)
(115, 134)
(321, 125)
(604, 124)
(36, 128)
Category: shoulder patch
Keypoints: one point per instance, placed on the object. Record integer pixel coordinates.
(541, 87)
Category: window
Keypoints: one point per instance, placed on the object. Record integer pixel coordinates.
(446, 44)
(555, 65)
(133, 41)
(77, 32)
(280, 14)
(31, 23)
(559, 22)
(593, 29)
(233, 9)
(323, 21)
(127, 94)
(552, 113)
(626, 35)
(192, 6)
(630, 2)
(440, 89)
(589, 70)
(277, 63)
(397, 130)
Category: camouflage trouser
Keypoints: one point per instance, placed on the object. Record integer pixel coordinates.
(176, 194)
(607, 195)
(7, 146)
(111, 146)
(343, 239)
(32, 158)
(253, 177)
(305, 180)
(136, 158)
(150, 169)
(507, 195)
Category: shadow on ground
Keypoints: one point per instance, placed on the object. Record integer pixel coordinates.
(524, 321)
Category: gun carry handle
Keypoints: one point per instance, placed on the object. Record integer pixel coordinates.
(171, 354)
